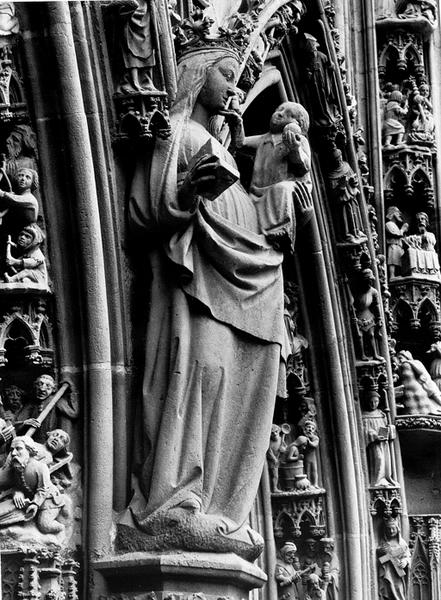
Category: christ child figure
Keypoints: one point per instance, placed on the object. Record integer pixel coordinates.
(281, 176)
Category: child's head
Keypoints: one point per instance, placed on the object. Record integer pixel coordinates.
(289, 112)
(30, 236)
(27, 179)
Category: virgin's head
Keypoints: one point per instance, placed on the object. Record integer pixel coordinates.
(219, 86)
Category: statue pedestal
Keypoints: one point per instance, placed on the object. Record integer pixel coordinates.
(177, 576)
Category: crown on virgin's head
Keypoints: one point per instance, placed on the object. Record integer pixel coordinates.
(195, 34)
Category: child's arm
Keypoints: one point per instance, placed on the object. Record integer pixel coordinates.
(253, 141)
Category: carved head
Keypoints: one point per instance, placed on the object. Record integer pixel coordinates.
(22, 448)
(328, 545)
(26, 179)
(373, 400)
(289, 112)
(288, 552)
(310, 546)
(275, 431)
(30, 236)
(301, 442)
(309, 427)
(394, 214)
(13, 397)
(422, 220)
(44, 386)
(313, 582)
(57, 440)
(404, 356)
(391, 528)
(396, 96)
(219, 86)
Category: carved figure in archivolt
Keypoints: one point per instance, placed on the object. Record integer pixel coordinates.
(21, 204)
(417, 8)
(421, 256)
(366, 305)
(417, 392)
(43, 392)
(215, 329)
(422, 125)
(393, 126)
(330, 568)
(33, 495)
(320, 75)
(277, 448)
(435, 365)
(137, 47)
(288, 573)
(281, 173)
(29, 264)
(377, 433)
(396, 229)
(394, 560)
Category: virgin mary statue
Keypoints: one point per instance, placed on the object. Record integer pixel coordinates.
(214, 336)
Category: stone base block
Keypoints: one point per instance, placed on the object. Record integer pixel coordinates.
(178, 576)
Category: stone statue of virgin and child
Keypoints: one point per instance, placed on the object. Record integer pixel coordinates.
(215, 335)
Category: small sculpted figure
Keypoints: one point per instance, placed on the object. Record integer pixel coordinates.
(314, 590)
(435, 365)
(288, 573)
(277, 447)
(32, 494)
(9, 24)
(406, 9)
(418, 393)
(137, 48)
(395, 231)
(30, 264)
(366, 305)
(292, 467)
(43, 389)
(295, 343)
(394, 560)
(281, 175)
(55, 448)
(393, 127)
(22, 204)
(330, 569)
(213, 364)
(13, 402)
(345, 192)
(320, 74)
(310, 459)
(422, 124)
(311, 556)
(377, 433)
(307, 410)
(421, 254)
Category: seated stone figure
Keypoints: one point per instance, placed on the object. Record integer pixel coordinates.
(417, 392)
(283, 157)
(29, 266)
(31, 494)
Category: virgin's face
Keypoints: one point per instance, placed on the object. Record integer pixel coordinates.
(219, 85)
